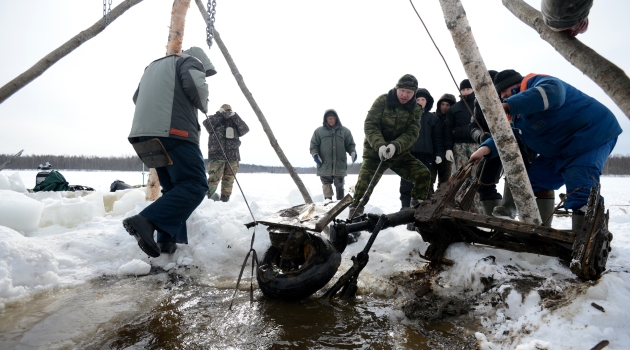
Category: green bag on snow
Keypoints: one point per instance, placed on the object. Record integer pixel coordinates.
(53, 182)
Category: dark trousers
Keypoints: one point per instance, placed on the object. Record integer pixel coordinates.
(406, 186)
(441, 172)
(184, 186)
(489, 173)
(338, 182)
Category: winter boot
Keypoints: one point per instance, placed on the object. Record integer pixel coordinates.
(577, 220)
(545, 203)
(167, 247)
(339, 193)
(142, 229)
(328, 191)
(489, 205)
(507, 207)
(359, 212)
(215, 197)
(225, 198)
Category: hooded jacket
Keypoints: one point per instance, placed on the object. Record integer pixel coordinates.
(456, 123)
(230, 145)
(430, 139)
(333, 144)
(170, 92)
(389, 121)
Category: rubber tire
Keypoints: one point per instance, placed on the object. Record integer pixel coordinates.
(299, 284)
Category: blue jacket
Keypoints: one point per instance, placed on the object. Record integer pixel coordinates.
(557, 120)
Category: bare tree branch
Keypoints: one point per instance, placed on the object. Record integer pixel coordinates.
(42, 65)
(272, 139)
(612, 79)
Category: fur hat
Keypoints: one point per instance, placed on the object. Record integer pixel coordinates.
(407, 81)
(465, 84)
(506, 78)
(226, 107)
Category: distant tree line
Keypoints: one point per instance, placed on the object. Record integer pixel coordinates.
(616, 164)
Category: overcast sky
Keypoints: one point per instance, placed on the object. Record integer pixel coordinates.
(298, 59)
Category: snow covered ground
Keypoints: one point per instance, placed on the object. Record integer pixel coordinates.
(48, 241)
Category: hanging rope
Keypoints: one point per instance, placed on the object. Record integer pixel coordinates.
(251, 245)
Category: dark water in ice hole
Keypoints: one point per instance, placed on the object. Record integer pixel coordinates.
(177, 311)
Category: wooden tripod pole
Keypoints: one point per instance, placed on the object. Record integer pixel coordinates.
(457, 23)
(173, 46)
(259, 114)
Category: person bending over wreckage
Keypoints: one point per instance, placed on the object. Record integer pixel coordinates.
(572, 132)
(171, 91)
(391, 127)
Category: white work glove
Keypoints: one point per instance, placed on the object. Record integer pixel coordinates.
(353, 155)
(381, 152)
(449, 155)
(438, 159)
(389, 152)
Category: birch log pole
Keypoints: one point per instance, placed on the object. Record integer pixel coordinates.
(612, 79)
(62, 51)
(173, 46)
(272, 139)
(514, 168)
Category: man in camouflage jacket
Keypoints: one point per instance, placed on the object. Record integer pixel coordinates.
(391, 128)
(228, 128)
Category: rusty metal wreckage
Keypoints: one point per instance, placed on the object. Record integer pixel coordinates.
(444, 219)
(441, 220)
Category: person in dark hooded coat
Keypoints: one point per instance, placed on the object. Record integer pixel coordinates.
(330, 144)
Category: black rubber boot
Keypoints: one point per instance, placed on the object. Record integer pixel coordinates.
(339, 194)
(167, 247)
(225, 198)
(507, 207)
(142, 229)
(490, 204)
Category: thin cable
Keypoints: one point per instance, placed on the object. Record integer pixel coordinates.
(443, 59)
(232, 170)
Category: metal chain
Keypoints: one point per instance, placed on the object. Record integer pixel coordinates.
(210, 11)
(107, 10)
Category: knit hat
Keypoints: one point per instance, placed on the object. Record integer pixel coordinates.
(226, 107)
(506, 78)
(465, 84)
(492, 73)
(407, 81)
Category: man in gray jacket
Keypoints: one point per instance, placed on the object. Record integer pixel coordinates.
(329, 145)
(170, 92)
